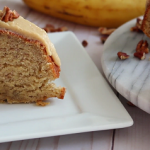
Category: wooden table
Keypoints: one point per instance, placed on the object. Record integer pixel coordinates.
(136, 137)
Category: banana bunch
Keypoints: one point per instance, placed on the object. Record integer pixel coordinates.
(96, 13)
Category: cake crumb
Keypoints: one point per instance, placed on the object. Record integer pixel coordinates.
(42, 103)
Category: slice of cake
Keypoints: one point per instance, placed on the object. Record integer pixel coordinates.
(146, 20)
(28, 61)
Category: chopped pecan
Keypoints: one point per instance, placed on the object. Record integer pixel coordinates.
(122, 55)
(139, 23)
(8, 15)
(140, 55)
(62, 29)
(105, 32)
(142, 46)
(50, 28)
(137, 27)
(84, 43)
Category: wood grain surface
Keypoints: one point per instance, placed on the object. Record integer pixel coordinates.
(131, 138)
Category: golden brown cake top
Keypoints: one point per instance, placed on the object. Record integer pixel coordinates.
(10, 20)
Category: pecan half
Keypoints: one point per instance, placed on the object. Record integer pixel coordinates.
(8, 15)
(142, 46)
(140, 55)
(105, 32)
(122, 55)
(84, 43)
(50, 28)
(137, 27)
(139, 23)
(61, 29)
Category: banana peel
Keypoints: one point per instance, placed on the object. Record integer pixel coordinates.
(96, 13)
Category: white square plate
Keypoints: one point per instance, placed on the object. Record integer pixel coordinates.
(89, 103)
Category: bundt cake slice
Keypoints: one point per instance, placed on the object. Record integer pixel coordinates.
(146, 20)
(28, 61)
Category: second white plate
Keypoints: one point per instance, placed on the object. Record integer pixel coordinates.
(131, 77)
(89, 103)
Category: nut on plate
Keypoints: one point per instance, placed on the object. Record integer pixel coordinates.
(122, 55)
(140, 55)
(142, 46)
(137, 27)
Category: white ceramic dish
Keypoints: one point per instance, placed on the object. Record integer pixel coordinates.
(89, 103)
(131, 78)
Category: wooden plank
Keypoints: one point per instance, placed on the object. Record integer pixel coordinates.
(135, 137)
(88, 141)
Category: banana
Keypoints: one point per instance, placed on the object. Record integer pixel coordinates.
(96, 13)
